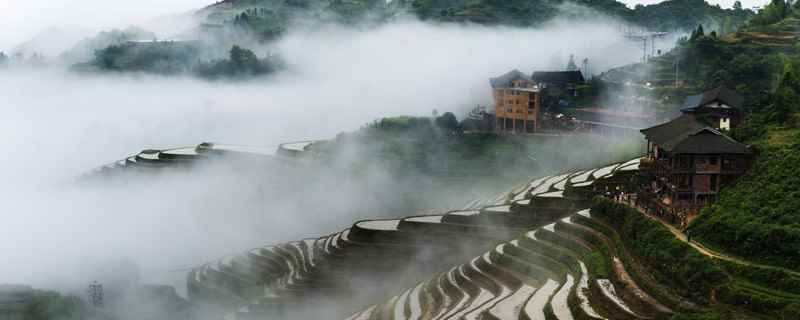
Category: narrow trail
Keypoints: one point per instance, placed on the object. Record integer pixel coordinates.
(703, 249)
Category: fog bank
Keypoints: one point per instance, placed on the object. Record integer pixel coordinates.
(57, 125)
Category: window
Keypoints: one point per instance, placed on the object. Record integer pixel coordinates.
(509, 110)
(712, 161)
(725, 123)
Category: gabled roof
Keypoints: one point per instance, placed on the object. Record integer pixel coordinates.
(710, 141)
(663, 133)
(558, 77)
(504, 81)
(721, 94)
(686, 134)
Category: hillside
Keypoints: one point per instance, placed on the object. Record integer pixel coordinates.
(756, 218)
(535, 251)
(271, 18)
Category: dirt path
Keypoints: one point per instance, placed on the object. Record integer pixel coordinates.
(703, 249)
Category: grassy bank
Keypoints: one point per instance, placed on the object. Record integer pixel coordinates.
(718, 285)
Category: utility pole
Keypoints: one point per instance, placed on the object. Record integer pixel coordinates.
(677, 64)
(642, 36)
(95, 293)
(586, 68)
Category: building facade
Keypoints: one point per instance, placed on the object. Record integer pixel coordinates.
(721, 107)
(517, 103)
(688, 161)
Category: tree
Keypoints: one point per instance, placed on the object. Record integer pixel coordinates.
(447, 121)
(571, 66)
(786, 97)
(244, 59)
(775, 11)
(737, 5)
(727, 26)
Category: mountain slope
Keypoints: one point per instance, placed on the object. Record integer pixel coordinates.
(666, 16)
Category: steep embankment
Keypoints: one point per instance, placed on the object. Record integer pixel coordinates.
(758, 217)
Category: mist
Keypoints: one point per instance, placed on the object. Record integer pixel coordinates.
(57, 125)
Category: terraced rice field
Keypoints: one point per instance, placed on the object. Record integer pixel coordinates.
(531, 276)
(510, 255)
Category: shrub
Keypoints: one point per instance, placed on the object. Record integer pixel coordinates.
(671, 260)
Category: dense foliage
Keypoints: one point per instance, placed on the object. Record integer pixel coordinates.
(664, 16)
(47, 305)
(84, 50)
(268, 19)
(437, 147)
(709, 61)
(758, 218)
(171, 58)
(153, 57)
(773, 12)
(240, 63)
(763, 290)
(672, 261)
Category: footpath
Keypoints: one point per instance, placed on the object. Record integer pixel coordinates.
(700, 247)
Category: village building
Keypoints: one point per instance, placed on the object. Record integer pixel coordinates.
(517, 103)
(722, 107)
(690, 159)
(611, 122)
(558, 80)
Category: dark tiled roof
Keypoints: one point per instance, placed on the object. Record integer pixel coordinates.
(558, 77)
(721, 94)
(710, 141)
(504, 81)
(686, 134)
(681, 126)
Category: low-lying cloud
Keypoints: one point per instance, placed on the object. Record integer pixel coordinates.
(56, 125)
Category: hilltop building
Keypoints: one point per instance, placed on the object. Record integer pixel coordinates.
(721, 107)
(556, 86)
(558, 79)
(690, 159)
(516, 102)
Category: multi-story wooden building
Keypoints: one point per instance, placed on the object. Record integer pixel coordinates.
(720, 107)
(516, 103)
(690, 159)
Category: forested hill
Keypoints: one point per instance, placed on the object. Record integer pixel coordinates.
(270, 18)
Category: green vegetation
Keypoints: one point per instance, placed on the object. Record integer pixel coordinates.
(52, 306)
(85, 49)
(151, 57)
(171, 58)
(269, 19)
(437, 147)
(758, 218)
(665, 16)
(775, 11)
(673, 262)
(762, 290)
(241, 63)
(697, 316)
